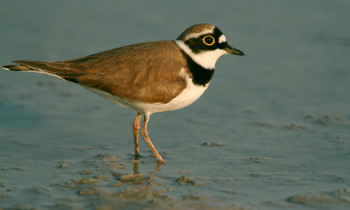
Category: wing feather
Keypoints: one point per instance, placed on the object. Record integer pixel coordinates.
(147, 72)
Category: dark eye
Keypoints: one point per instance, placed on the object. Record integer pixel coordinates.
(208, 40)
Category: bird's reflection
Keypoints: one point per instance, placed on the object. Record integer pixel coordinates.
(136, 164)
(159, 165)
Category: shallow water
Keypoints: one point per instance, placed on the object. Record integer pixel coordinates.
(271, 132)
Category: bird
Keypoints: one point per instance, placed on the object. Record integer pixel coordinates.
(148, 77)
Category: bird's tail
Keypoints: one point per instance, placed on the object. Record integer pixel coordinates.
(55, 69)
(16, 68)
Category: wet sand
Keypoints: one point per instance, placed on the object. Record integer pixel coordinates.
(271, 132)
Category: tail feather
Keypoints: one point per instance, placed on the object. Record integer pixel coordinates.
(16, 68)
(50, 68)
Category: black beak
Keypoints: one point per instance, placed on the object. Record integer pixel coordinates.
(231, 50)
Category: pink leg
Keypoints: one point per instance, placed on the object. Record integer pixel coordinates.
(136, 128)
(144, 134)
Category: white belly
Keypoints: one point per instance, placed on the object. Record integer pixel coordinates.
(189, 95)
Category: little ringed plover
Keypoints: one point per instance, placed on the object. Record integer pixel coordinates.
(148, 77)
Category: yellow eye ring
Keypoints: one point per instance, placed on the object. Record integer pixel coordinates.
(208, 40)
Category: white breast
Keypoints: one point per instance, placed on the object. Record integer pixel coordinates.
(189, 95)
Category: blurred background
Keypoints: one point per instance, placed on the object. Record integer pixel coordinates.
(272, 131)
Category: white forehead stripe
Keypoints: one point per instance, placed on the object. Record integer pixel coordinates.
(222, 39)
(196, 35)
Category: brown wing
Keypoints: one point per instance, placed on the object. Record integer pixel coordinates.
(148, 72)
